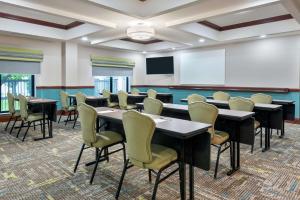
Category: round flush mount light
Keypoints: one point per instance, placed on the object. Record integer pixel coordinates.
(144, 52)
(84, 38)
(140, 32)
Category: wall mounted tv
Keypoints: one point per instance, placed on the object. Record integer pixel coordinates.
(160, 65)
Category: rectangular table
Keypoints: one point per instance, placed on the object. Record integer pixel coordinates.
(239, 124)
(48, 108)
(190, 139)
(164, 97)
(131, 99)
(95, 101)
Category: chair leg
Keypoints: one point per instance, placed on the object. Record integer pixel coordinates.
(124, 153)
(69, 116)
(217, 161)
(156, 185)
(75, 121)
(33, 125)
(62, 112)
(8, 122)
(78, 159)
(13, 126)
(122, 178)
(26, 131)
(149, 176)
(261, 137)
(252, 147)
(22, 124)
(96, 165)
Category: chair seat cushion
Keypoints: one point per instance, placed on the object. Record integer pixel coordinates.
(106, 138)
(112, 104)
(130, 107)
(17, 114)
(219, 137)
(161, 156)
(35, 117)
(256, 124)
(71, 108)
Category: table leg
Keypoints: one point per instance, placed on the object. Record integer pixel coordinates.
(182, 171)
(267, 140)
(282, 130)
(43, 126)
(191, 170)
(97, 124)
(233, 161)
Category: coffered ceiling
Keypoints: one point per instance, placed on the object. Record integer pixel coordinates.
(178, 24)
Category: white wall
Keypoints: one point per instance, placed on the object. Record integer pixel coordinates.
(272, 62)
(85, 68)
(52, 63)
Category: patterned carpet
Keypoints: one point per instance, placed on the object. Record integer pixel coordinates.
(44, 170)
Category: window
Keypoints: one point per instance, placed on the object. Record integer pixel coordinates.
(111, 83)
(16, 84)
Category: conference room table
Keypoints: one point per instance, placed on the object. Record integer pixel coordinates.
(164, 97)
(95, 101)
(190, 139)
(131, 99)
(239, 125)
(270, 117)
(48, 108)
(288, 109)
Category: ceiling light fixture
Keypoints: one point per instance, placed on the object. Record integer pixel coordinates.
(173, 48)
(84, 38)
(140, 32)
(144, 52)
(201, 40)
(263, 36)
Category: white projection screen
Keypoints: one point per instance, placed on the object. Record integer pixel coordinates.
(205, 68)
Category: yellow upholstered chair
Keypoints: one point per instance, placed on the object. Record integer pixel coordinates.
(66, 108)
(151, 93)
(101, 141)
(13, 113)
(135, 91)
(123, 96)
(153, 106)
(195, 97)
(262, 98)
(28, 118)
(139, 130)
(243, 104)
(106, 94)
(207, 113)
(222, 96)
(80, 99)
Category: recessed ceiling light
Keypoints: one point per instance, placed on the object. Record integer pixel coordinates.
(263, 36)
(84, 38)
(189, 44)
(173, 48)
(144, 52)
(201, 40)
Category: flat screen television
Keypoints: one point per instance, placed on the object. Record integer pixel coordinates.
(160, 65)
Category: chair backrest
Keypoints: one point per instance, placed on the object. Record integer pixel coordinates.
(80, 98)
(222, 96)
(139, 130)
(88, 116)
(64, 99)
(261, 98)
(152, 93)
(153, 106)
(23, 107)
(122, 96)
(106, 94)
(135, 91)
(11, 103)
(204, 113)
(195, 97)
(242, 104)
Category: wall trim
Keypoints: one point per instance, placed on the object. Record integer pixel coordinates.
(64, 87)
(225, 88)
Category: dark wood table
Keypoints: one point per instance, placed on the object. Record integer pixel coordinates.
(48, 108)
(190, 139)
(239, 124)
(131, 99)
(269, 115)
(95, 101)
(164, 97)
